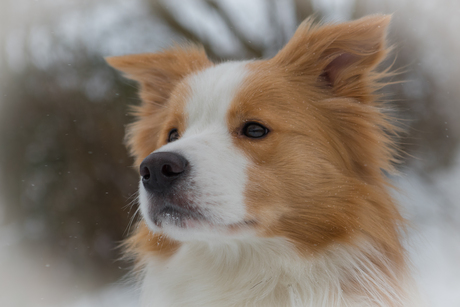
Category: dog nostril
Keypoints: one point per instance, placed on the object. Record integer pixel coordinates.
(168, 171)
(145, 173)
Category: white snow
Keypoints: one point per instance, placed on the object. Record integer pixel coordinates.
(433, 209)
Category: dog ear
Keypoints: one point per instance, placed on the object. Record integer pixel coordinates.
(339, 56)
(158, 73)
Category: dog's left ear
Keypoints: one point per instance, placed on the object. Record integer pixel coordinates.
(339, 56)
(158, 73)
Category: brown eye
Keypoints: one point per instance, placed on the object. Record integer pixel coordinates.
(173, 135)
(254, 130)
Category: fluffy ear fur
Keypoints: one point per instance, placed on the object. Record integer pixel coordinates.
(158, 73)
(340, 56)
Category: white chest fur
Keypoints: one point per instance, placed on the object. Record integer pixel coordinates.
(266, 273)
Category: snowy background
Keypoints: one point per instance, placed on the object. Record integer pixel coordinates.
(65, 177)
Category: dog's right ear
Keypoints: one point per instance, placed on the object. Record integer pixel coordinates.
(158, 73)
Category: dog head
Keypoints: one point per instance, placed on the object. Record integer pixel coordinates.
(281, 147)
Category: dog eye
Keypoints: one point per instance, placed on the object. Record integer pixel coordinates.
(173, 135)
(254, 130)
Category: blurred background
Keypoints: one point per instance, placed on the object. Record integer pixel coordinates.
(66, 180)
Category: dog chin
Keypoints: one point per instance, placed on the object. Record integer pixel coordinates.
(189, 229)
(204, 231)
(188, 224)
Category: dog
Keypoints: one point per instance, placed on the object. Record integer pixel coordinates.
(262, 182)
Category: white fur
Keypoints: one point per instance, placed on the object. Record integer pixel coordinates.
(216, 268)
(267, 272)
(218, 168)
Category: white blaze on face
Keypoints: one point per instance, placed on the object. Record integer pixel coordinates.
(218, 169)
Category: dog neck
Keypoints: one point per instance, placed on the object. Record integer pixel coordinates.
(268, 272)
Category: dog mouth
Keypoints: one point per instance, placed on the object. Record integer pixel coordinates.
(181, 209)
(188, 217)
(172, 214)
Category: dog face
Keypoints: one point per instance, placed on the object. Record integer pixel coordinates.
(276, 148)
(197, 175)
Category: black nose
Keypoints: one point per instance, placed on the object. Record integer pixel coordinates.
(160, 170)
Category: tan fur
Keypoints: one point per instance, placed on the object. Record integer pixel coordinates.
(143, 242)
(317, 177)
(159, 75)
